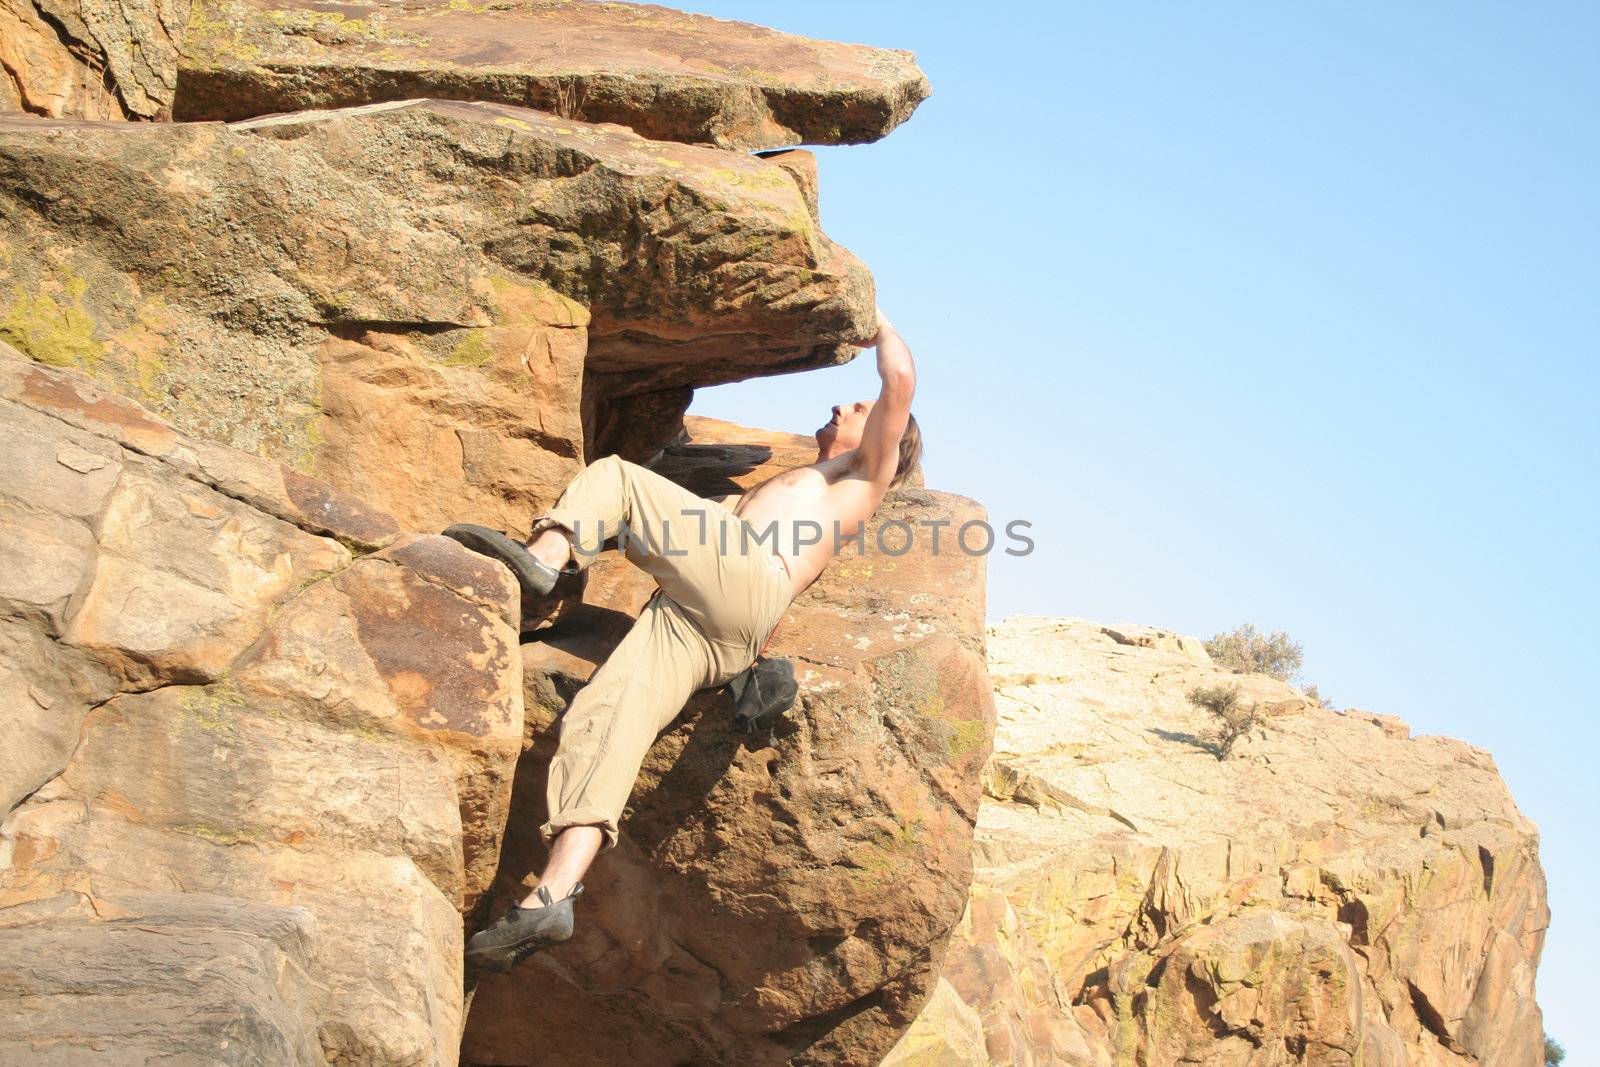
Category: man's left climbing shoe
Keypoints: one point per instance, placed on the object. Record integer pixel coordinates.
(521, 932)
(762, 692)
(540, 583)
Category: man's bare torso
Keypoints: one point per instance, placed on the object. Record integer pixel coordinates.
(799, 504)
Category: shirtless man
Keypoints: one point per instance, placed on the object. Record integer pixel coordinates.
(726, 576)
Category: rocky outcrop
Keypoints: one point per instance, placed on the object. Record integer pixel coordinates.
(773, 899)
(670, 75)
(90, 59)
(1333, 892)
(259, 745)
(262, 754)
(265, 749)
(423, 302)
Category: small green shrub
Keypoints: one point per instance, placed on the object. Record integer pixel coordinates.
(1249, 651)
(1316, 697)
(1234, 719)
(1553, 1052)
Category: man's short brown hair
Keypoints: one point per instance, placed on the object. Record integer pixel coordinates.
(910, 452)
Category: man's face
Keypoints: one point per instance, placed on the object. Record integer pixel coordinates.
(842, 431)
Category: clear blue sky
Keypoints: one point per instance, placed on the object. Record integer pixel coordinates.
(1271, 313)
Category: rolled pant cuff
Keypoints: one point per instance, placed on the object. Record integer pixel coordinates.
(581, 817)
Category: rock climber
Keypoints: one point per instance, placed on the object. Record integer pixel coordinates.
(725, 575)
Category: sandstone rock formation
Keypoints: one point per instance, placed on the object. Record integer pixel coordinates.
(263, 746)
(263, 737)
(669, 75)
(1334, 892)
(782, 899)
(259, 745)
(421, 301)
(90, 59)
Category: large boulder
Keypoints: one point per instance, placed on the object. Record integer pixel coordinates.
(423, 302)
(670, 75)
(772, 899)
(1334, 891)
(259, 746)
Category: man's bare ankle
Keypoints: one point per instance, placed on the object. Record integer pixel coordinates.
(551, 548)
(558, 890)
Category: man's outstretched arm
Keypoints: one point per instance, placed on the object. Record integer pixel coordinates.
(879, 451)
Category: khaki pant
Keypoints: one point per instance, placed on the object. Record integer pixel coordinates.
(721, 594)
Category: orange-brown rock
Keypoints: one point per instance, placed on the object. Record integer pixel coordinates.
(259, 746)
(423, 302)
(782, 899)
(1333, 892)
(90, 59)
(669, 75)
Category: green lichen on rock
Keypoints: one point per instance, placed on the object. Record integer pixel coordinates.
(308, 430)
(881, 863)
(471, 351)
(60, 332)
(330, 27)
(211, 707)
(212, 31)
(967, 736)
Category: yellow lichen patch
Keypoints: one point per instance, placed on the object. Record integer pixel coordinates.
(212, 33)
(331, 25)
(471, 351)
(211, 708)
(531, 303)
(305, 461)
(217, 835)
(140, 349)
(882, 863)
(967, 737)
(507, 120)
(53, 327)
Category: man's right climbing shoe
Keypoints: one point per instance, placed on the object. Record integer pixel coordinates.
(540, 583)
(762, 692)
(521, 932)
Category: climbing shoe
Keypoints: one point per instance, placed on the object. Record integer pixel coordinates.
(521, 932)
(762, 692)
(540, 583)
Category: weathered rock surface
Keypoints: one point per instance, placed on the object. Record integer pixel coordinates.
(420, 302)
(259, 746)
(90, 59)
(669, 75)
(1334, 892)
(782, 899)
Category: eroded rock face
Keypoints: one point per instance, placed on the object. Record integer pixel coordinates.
(776, 899)
(670, 75)
(1334, 892)
(90, 59)
(259, 746)
(421, 301)
(667, 74)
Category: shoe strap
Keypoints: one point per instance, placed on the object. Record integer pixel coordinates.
(543, 893)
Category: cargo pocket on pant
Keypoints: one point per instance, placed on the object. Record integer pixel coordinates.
(727, 660)
(634, 696)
